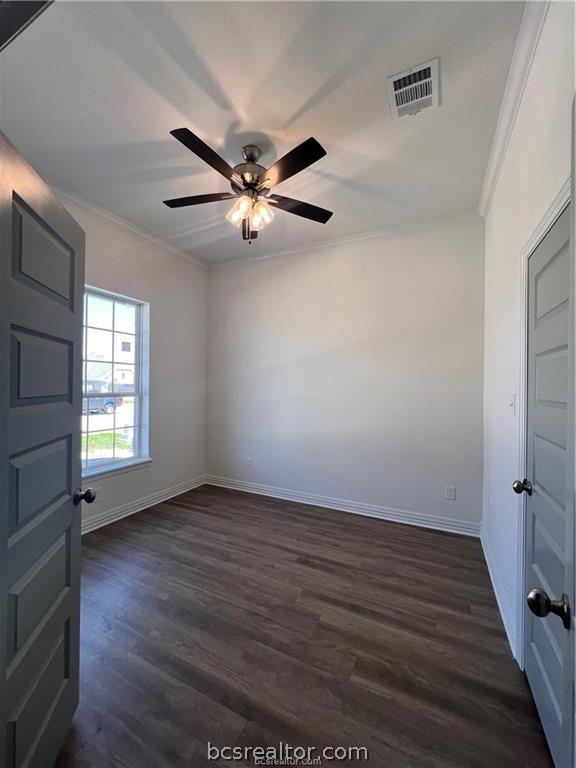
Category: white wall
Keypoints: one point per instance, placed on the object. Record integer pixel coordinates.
(536, 166)
(121, 260)
(355, 372)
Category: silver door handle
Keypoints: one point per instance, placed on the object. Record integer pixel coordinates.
(522, 485)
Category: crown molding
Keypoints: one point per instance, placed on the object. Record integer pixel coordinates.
(112, 218)
(527, 41)
(360, 237)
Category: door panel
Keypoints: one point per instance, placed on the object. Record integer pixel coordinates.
(549, 656)
(40, 368)
(552, 379)
(550, 470)
(35, 592)
(551, 288)
(38, 478)
(41, 290)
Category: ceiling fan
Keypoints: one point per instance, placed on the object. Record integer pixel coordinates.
(251, 183)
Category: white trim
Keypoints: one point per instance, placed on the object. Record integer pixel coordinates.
(463, 527)
(111, 515)
(112, 218)
(360, 237)
(527, 41)
(113, 295)
(434, 522)
(118, 469)
(554, 210)
(506, 610)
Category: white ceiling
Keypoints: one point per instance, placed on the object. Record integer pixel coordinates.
(91, 90)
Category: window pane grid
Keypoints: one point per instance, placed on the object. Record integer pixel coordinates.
(112, 393)
(108, 330)
(109, 394)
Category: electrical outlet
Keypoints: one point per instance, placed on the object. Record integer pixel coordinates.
(247, 462)
(450, 492)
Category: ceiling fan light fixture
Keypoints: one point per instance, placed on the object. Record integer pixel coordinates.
(240, 210)
(251, 182)
(262, 214)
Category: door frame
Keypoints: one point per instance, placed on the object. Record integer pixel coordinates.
(556, 208)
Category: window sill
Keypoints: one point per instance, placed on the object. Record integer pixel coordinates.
(117, 469)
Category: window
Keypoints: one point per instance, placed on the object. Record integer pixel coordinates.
(114, 389)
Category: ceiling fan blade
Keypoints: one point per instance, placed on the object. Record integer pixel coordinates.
(206, 153)
(295, 161)
(306, 210)
(181, 202)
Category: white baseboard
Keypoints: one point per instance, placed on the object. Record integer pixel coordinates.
(508, 615)
(356, 507)
(111, 515)
(342, 505)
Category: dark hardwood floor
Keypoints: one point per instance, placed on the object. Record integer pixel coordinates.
(243, 620)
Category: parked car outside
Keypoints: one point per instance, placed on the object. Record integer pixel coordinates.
(100, 402)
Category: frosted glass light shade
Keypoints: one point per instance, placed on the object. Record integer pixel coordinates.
(262, 214)
(240, 210)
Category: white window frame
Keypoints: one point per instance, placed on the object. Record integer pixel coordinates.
(141, 393)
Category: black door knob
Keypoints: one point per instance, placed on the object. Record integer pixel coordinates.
(522, 485)
(541, 605)
(89, 495)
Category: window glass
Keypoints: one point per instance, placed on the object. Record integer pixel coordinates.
(124, 348)
(99, 311)
(125, 317)
(112, 395)
(98, 344)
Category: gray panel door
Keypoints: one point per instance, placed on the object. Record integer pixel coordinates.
(41, 294)
(549, 645)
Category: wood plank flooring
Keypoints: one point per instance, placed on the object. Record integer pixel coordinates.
(243, 620)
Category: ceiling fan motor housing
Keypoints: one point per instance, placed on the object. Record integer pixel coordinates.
(250, 171)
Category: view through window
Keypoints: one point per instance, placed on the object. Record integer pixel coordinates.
(112, 381)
